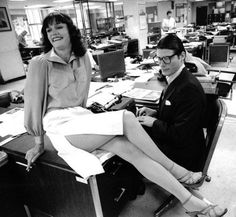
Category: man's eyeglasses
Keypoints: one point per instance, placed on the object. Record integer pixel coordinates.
(166, 59)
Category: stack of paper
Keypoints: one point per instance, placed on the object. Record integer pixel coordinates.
(143, 94)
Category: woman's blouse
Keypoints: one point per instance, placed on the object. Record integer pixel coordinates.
(54, 84)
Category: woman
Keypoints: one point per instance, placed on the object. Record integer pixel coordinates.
(55, 97)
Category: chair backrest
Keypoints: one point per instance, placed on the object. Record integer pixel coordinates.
(218, 54)
(216, 113)
(133, 48)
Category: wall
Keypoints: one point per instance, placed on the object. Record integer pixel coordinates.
(133, 27)
(194, 9)
(11, 65)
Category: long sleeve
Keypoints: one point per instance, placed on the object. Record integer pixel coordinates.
(35, 96)
(88, 68)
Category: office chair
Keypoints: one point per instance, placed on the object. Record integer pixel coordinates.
(216, 113)
(133, 48)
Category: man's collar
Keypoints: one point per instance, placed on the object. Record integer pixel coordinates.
(53, 57)
(175, 75)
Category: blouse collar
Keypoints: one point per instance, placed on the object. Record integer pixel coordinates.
(53, 57)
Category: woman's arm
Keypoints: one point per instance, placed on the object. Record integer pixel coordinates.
(35, 93)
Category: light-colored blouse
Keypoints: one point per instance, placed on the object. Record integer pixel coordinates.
(51, 83)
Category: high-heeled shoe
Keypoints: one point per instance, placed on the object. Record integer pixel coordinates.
(206, 211)
(188, 177)
(189, 181)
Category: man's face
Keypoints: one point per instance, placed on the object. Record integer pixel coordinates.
(169, 15)
(169, 61)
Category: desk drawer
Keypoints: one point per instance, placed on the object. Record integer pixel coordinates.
(119, 184)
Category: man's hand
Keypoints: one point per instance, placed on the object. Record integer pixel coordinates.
(146, 120)
(33, 154)
(145, 111)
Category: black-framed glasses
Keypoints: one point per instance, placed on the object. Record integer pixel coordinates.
(165, 59)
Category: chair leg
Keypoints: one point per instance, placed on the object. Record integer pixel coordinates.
(164, 206)
(27, 211)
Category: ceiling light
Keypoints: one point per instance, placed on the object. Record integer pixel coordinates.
(37, 6)
(17, 0)
(62, 1)
(118, 3)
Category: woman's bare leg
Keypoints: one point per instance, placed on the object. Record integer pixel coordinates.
(135, 133)
(139, 137)
(148, 167)
(154, 172)
(88, 142)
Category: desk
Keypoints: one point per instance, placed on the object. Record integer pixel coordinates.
(104, 47)
(196, 48)
(34, 49)
(52, 188)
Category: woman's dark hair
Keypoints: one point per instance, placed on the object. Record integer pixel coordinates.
(171, 42)
(168, 12)
(75, 36)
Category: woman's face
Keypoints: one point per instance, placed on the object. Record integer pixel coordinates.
(58, 35)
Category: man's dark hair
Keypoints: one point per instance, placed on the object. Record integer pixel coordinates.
(168, 12)
(171, 42)
(75, 36)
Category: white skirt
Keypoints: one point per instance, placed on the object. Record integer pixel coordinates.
(78, 120)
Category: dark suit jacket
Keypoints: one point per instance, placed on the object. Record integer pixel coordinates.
(178, 132)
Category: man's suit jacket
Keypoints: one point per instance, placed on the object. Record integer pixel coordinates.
(178, 130)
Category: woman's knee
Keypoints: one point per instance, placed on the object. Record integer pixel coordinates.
(123, 148)
(129, 119)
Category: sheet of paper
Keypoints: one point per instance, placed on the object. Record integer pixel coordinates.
(12, 122)
(145, 77)
(143, 94)
(100, 97)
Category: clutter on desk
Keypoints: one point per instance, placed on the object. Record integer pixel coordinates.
(16, 96)
(143, 94)
(11, 125)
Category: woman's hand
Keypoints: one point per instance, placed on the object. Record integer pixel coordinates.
(33, 154)
(146, 120)
(144, 111)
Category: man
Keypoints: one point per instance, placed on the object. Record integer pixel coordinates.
(168, 24)
(21, 39)
(176, 125)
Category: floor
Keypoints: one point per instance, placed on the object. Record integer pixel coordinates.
(222, 188)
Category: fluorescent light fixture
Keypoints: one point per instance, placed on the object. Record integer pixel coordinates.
(62, 1)
(93, 7)
(65, 7)
(17, 0)
(36, 6)
(118, 3)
